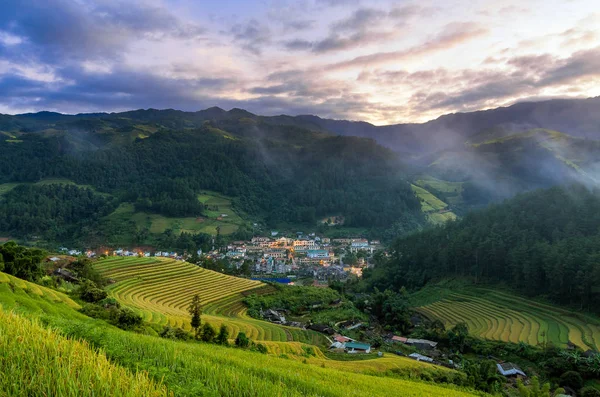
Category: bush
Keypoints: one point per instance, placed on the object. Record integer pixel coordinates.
(571, 379)
(208, 333)
(89, 292)
(174, 333)
(242, 340)
(590, 392)
(223, 337)
(127, 318)
(261, 348)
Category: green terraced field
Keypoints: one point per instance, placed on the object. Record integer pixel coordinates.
(142, 365)
(501, 316)
(161, 290)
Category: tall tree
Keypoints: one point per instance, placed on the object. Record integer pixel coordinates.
(195, 311)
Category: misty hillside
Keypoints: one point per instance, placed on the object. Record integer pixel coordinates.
(578, 117)
(497, 163)
(150, 164)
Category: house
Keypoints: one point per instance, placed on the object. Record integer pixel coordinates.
(274, 316)
(398, 339)
(342, 339)
(420, 357)
(322, 328)
(510, 369)
(357, 347)
(65, 275)
(317, 254)
(54, 259)
(337, 345)
(423, 344)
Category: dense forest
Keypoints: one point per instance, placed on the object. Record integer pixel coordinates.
(543, 243)
(282, 174)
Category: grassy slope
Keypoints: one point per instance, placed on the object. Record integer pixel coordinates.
(38, 361)
(497, 315)
(185, 368)
(431, 205)
(208, 224)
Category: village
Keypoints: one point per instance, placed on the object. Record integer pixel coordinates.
(277, 257)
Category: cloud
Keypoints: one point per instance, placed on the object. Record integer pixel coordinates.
(362, 27)
(452, 35)
(361, 19)
(252, 34)
(56, 30)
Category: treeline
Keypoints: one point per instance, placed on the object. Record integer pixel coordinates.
(296, 177)
(55, 212)
(543, 243)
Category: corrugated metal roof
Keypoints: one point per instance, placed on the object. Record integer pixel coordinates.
(357, 345)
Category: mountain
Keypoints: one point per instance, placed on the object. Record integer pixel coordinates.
(159, 163)
(577, 117)
(499, 163)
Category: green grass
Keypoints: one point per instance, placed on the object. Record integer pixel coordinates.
(431, 206)
(68, 354)
(208, 224)
(7, 187)
(452, 190)
(497, 315)
(38, 361)
(429, 202)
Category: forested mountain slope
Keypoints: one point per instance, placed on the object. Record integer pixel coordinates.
(544, 243)
(161, 160)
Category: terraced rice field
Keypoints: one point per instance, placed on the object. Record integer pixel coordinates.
(501, 316)
(161, 290)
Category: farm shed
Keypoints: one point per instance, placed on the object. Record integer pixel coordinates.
(510, 369)
(420, 357)
(356, 347)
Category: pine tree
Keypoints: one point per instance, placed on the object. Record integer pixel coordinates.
(195, 311)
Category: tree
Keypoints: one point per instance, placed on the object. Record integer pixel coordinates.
(242, 340)
(223, 337)
(195, 311)
(208, 333)
(457, 336)
(535, 389)
(89, 292)
(571, 379)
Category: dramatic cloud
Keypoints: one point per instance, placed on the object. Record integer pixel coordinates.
(384, 62)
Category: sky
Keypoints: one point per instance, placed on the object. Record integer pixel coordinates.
(380, 61)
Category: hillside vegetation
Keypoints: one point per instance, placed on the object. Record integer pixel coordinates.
(543, 243)
(496, 315)
(147, 366)
(38, 361)
(273, 173)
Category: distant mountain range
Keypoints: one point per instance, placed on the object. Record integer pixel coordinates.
(462, 160)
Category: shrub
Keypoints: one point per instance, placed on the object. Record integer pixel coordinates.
(261, 348)
(174, 333)
(127, 318)
(242, 340)
(223, 337)
(208, 333)
(590, 392)
(571, 379)
(89, 292)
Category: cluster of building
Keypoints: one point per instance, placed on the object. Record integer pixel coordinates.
(285, 255)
